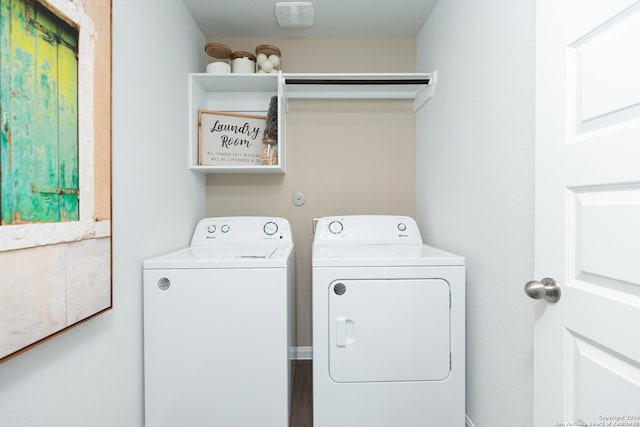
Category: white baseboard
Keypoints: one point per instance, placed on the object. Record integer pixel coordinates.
(301, 353)
(468, 421)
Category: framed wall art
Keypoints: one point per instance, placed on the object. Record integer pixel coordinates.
(55, 169)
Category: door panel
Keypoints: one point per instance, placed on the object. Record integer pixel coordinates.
(608, 222)
(593, 371)
(389, 330)
(607, 50)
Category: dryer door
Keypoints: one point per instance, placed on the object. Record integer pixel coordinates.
(389, 330)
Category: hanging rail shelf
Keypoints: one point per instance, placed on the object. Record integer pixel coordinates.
(416, 86)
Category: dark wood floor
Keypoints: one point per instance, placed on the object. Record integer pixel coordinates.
(301, 405)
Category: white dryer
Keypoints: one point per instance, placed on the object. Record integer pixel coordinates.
(388, 326)
(218, 323)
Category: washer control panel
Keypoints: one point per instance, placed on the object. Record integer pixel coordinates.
(241, 230)
(367, 229)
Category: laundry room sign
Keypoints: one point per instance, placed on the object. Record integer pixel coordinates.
(227, 139)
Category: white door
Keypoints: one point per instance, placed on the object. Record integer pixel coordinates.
(587, 344)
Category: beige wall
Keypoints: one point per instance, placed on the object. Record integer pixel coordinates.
(346, 156)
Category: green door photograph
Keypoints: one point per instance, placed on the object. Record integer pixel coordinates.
(39, 102)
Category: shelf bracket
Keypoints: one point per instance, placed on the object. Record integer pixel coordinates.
(426, 93)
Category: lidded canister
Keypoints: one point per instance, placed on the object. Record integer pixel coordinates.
(268, 58)
(218, 58)
(243, 62)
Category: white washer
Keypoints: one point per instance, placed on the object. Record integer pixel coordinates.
(218, 323)
(388, 326)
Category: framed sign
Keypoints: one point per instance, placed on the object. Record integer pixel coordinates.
(226, 139)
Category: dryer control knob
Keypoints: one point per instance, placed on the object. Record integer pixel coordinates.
(270, 228)
(211, 229)
(335, 227)
(402, 226)
(224, 228)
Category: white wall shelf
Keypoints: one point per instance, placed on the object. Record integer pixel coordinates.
(246, 93)
(251, 93)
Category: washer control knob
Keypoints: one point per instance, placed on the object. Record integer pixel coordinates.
(335, 227)
(270, 228)
(211, 229)
(402, 226)
(224, 228)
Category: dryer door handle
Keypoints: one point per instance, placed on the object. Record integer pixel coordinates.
(345, 331)
(341, 331)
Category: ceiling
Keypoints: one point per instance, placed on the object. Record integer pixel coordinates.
(332, 18)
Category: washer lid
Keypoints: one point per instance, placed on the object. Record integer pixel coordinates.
(223, 257)
(331, 255)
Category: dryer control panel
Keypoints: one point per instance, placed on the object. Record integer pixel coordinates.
(242, 230)
(367, 229)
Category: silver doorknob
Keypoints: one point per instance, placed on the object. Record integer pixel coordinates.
(547, 288)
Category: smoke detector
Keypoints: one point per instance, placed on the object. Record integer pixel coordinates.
(294, 14)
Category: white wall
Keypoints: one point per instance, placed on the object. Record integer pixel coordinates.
(92, 375)
(474, 189)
